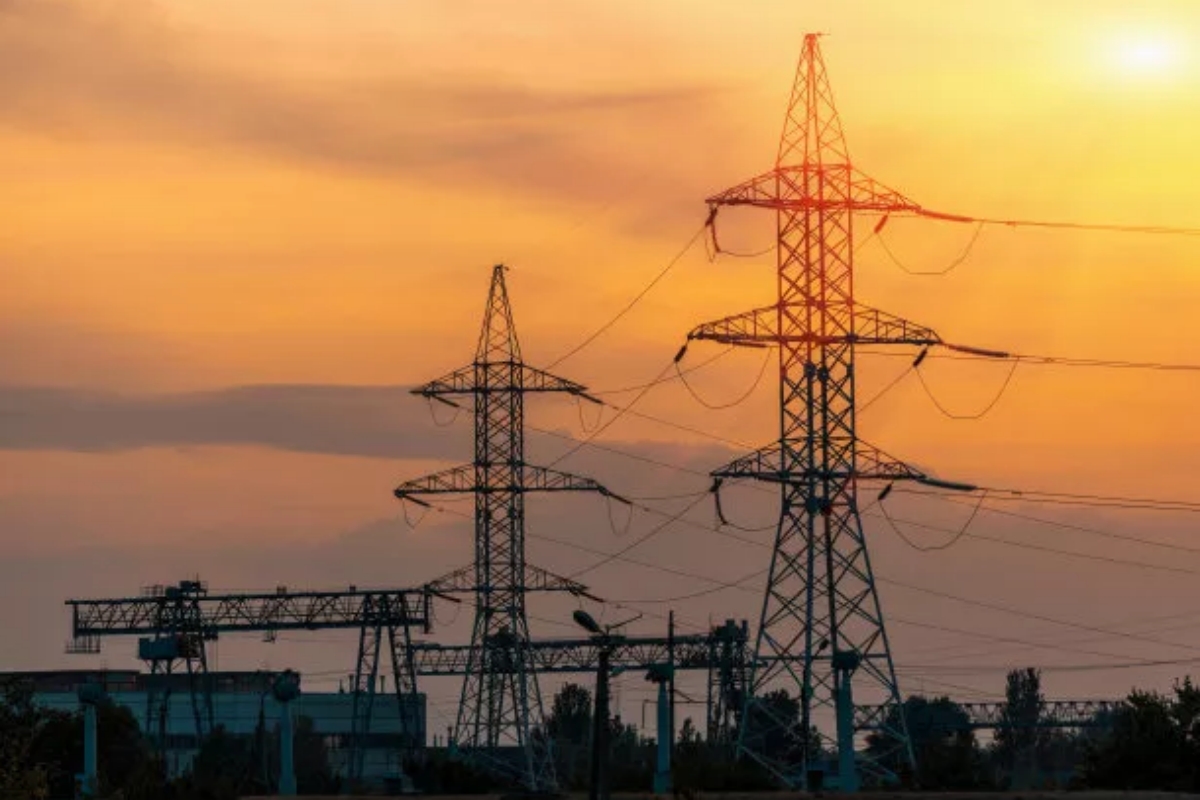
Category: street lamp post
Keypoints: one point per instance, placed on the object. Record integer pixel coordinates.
(605, 641)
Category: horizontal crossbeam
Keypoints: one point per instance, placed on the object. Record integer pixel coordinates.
(841, 187)
(760, 327)
(766, 464)
(278, 611)
(994, 716)
(518, 377)
(536, 579)
(462, 480)
(692, 651)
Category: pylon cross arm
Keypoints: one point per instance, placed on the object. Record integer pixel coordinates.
(517, 377)
(872, 326)
(535, 579)
(527, 478)
(816, 186)
(456, 480)
(760, 328)
(870, 463)
(544, 479)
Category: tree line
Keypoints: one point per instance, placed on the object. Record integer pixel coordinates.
(1152, 742)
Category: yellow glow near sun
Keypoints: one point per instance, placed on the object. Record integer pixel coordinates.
(1146, 55)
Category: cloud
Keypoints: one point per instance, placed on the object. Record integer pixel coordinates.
(373, 421)
(111, 72)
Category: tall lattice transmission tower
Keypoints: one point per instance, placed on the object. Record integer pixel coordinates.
(821, 627)
(500, 715)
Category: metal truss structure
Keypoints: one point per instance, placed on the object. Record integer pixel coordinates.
(1069, 714)
(386, 618)
(821, 627)
(501, 710)
(176, 621)
(721, 653)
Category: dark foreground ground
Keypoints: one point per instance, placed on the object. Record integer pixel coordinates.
(832, 796)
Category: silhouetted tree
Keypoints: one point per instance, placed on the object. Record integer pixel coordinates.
(58, 746)
(1154, 743)
(313, 772)
(20, 721)
(569, 729)
(943, 744)
(223, 769)
(1017, 738)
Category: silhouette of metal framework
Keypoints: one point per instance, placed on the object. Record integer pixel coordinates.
(500, 714)
(387, 617)
(821, 627)
(176, 621)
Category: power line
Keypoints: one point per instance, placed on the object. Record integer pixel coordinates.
(962, 256)
(1045, 360)
(740, 399)
(1056, 551)
(740, 584)
(933, 548)
(636, 387)
(999, 494)
(1035, 616)
(1079, 226)
(978, 414)
(1071, 526)
(608, 558)
(1087, 640)
(596, 334)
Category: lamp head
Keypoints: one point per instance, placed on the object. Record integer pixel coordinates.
(585, 621)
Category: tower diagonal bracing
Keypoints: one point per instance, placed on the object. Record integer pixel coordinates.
(500, 715)
(821, 627)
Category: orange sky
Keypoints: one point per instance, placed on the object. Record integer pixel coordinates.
(199, 197)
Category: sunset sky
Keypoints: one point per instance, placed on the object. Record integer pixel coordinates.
(232, 234)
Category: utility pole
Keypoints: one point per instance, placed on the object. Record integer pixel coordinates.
(821, 588)
(91, 696)
(671, 666)
(285, 689)
(500, 712)
(662, 675)
(598, 785)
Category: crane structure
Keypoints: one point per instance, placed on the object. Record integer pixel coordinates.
(391, 614)
(821, 627)
(500, 710)
(175, 622)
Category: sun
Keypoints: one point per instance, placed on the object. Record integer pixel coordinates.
(1146, 56)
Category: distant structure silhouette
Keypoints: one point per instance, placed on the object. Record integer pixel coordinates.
(500, 715)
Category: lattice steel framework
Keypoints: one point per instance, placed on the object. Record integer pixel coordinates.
(501, 713)
(176, 621)
(178, 640)
(821, 623)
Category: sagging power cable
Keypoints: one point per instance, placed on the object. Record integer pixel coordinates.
(958, 416)
(961, 258)
(637, 298)
(736, 402)
(1079, 226)
(953, 540)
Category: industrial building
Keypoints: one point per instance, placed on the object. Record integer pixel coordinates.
(240, 701)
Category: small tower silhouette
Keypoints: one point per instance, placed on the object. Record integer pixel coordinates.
(500, 716)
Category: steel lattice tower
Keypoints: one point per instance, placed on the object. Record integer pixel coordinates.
(500, 712)
(821, 625)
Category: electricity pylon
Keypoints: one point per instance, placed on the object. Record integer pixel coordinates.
(821, 626)
(500, 716)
